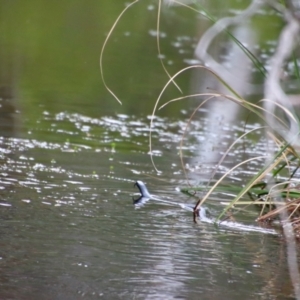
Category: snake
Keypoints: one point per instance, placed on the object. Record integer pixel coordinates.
(201, 214)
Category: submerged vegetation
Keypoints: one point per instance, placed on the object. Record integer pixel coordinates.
(275, 188)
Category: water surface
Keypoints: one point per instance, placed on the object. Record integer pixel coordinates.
(70, 156)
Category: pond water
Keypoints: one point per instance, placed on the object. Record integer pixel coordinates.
(70, 155)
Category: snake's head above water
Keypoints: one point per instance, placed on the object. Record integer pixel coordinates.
(145, 195)
(143, 189)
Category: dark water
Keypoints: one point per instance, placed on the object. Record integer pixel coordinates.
(70, 156)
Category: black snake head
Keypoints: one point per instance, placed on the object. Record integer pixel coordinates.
(145, 195)
(143, 189)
